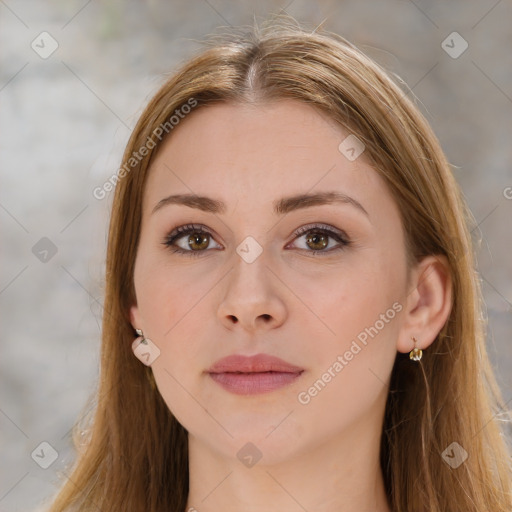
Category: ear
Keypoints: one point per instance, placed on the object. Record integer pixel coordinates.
(135, 318)
(428, 303)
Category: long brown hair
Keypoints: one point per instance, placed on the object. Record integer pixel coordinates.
(134, 454)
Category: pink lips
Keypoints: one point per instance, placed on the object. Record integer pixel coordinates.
(261, 373)
(251, 364)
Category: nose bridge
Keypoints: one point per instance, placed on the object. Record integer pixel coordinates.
(250, 272)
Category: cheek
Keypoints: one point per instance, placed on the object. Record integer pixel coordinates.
(344, 302)
(356, 316)
(167, 295)
(173, 303)
(357, 347)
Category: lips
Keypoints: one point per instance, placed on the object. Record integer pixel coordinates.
(243, 375)
(253, 364)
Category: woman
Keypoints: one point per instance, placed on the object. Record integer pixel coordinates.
(292, 319)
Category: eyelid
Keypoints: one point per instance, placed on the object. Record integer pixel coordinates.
(331, 230)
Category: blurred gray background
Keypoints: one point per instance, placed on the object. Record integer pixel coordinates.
(74, 75)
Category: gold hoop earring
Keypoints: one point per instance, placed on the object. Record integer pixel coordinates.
(416, 353)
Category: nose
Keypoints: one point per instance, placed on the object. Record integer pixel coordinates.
(252, 298)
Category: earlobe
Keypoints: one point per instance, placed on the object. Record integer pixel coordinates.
(135, 317)
(428, 303)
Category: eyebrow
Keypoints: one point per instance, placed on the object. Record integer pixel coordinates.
(281, 206)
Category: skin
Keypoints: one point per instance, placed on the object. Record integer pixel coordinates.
(306, 309)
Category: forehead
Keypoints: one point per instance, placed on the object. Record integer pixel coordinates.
(241, 152)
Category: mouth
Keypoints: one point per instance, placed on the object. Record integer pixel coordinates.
(259, 363)
(248, 375)
(250, 383)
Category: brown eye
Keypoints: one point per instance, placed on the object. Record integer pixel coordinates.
(198, 241)
(317, 239)
(190, 240)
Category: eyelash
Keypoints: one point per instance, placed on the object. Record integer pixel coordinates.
(179, 232)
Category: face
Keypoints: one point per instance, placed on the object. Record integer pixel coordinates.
(318, 284)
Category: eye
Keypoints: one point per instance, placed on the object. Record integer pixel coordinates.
(196, 242)
(197, 238)
(317, 237)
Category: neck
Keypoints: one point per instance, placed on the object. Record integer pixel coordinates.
(339, 474)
